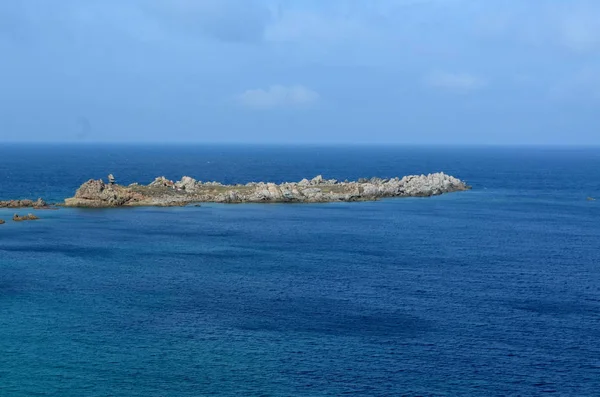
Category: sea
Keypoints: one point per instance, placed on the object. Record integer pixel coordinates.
(488, 292)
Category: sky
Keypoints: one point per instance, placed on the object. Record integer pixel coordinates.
(494, 72)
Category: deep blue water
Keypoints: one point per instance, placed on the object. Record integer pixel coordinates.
(495, 291)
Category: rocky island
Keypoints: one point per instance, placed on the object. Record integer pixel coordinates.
(164, 192)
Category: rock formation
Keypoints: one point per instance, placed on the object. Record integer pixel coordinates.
(163, 192)
(2, 221)
(39, 203)
(28, 217)
(95, 193)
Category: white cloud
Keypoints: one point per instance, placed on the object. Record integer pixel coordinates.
(278, 96)
(461, 82)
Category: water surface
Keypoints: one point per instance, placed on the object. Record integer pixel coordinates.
(495, 291)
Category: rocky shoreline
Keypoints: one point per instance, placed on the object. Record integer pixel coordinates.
(164, 192)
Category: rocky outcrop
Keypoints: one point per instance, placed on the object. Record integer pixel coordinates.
(39, 203)
(2, 221)
(161, 181)
(95, 193)
(163, 192)
(188, 184)
(28, 217)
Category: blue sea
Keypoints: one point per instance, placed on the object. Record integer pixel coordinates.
(490, 292)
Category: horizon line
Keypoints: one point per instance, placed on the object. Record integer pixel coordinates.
(306, 144)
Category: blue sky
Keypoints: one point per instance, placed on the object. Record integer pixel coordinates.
(301, 71)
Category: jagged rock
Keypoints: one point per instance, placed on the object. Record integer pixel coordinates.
(161, 181)
(39, 203)
(317, 180)
(187, 183)
(95, 193)
(9, 204)
(370, 189)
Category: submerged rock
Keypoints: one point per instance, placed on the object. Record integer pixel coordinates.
(163, 192)
(28, 217)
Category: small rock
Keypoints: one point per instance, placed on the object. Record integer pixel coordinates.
(162, 182)
(317, 180)
(28, 217)
(591, 199)
(187, 183)
(2, 221)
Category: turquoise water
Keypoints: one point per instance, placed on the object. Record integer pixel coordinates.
(495, 291)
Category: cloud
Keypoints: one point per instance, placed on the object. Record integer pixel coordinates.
(278, 96)
(460, 82)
